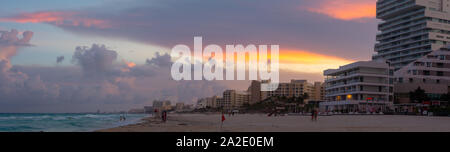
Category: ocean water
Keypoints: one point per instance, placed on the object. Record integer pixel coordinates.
(63, 122)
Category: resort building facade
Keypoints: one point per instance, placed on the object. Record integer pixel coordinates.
(209, 102)
(233, 99)
(431, 73)
(411, 29)
(255, 92)
(318, 93)
(295, 88)
(363, 86)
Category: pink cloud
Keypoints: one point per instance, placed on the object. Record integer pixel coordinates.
(345, 9)
(59, 18)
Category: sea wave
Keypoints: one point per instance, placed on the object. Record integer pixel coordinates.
(63, 122)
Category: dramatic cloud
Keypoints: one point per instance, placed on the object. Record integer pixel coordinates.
(94, 60)
(293, 24)
(344, 9)
(312, 34)
(59, 59)
(15, 84)
(97, 81)
(9, 41)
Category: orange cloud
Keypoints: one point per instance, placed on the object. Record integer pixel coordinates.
(346, 9)
(309, 62)
(130, 64)
(306, 57)
(62, 18)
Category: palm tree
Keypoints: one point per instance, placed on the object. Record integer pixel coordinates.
(418, 96)
(305, 96)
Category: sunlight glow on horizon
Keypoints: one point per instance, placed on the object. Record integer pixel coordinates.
(298, 61)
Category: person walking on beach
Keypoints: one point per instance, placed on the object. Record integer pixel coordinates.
(156, 114)
(316, 112)
(164, 116)
(312, 114)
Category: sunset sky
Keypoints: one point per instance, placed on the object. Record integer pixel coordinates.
(313, 35)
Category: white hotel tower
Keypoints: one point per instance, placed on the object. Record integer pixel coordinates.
(411, 29)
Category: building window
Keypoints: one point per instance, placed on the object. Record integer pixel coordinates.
(438, 81)
(440, 73)
(400, 80)
(426, 72)
(424, 80)
(411, 80)
(349, 97)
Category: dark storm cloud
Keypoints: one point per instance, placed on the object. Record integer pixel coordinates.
(96, 59)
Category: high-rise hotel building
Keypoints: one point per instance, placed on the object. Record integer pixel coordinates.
(410, 29)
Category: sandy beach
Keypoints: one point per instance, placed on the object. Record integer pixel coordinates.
(263, 123)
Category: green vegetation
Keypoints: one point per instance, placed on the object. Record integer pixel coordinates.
(291, 104)
(418, 96)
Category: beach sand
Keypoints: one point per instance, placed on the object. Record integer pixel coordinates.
(263, 123)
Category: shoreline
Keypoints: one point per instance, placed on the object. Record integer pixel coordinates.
(263, 123)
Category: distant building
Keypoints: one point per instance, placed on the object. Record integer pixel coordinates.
(358, 86)
(318, 92)
(233, 99)
(211, 102)
(149, 109)
(179, 106)
(295, 88)
(136, 111)
(188, 107)
(255, 92)
(162, 105)
(241, 98)
(228, 98)
(220, 102)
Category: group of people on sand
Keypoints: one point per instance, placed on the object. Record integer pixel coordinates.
(314, 114)
(123, 118)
